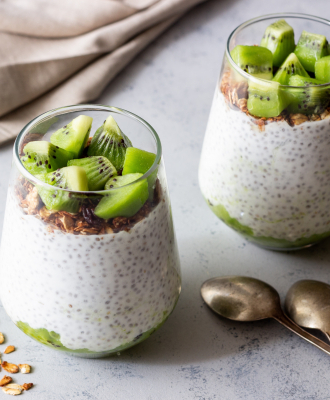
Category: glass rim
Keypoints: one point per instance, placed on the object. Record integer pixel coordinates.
(264, 18)
(76, 108)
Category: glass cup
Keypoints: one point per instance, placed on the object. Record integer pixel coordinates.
(76, 282)
(268, 178)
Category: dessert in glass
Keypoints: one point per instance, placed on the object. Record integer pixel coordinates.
(265, 165)
(89, 259)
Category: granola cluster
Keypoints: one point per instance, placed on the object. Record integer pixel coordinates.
(236, 95)
(85, 222)
(6, 381)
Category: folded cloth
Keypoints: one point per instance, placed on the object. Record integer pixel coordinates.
(54, 54)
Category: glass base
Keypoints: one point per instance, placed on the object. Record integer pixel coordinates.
(283, 249)
(268, 243)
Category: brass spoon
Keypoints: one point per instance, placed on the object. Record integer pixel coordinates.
(247, 299)
(308, 304)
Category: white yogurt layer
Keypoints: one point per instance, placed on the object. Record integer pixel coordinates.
(97, 292)
(275, 181)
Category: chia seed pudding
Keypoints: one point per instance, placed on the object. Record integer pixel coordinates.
(267, 177)
(270, 183)
(85, 285)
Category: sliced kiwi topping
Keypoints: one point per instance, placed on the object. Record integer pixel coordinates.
(255, 60)
(121, 200)
(291, 66)
(266, 99)
(119, 181)
(141, 161)
(41, 157)
(109, 141)
(72, 178)
(98, 170)
(279, 39)
(322, 69)
(310, 48)
(310, 99)
(137, 160)
(73, 136)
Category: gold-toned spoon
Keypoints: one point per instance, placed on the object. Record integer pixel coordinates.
(242, 298)
(308, 304)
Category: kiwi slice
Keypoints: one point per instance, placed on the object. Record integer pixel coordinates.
(141, 161)
(137, 160)
(98, 170)
(74, 135)
(119, 181)
(41, 157)
(110, 142)
(124, 201)
(255, 60)
(309, 100)
(266, 99)
(322, 69)
(279, 39)
(291, 66)
(310, 48)
(73, 178)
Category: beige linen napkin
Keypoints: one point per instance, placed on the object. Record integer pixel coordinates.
(65, 52)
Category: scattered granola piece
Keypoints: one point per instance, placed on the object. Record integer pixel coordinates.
(25, 368)
(2, 339)
(5, 380)
(298, 119)
(12, 368)
(9, 349)
(242, 104)
(27, 386)
(14, 391)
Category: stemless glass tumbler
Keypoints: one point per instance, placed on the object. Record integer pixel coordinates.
(268, 177)
(79, 283)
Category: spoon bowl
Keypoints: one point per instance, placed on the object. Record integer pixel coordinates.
(242, 298)
(308, 304)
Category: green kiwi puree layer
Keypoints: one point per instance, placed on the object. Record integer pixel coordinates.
(53, 339)
(268, 242)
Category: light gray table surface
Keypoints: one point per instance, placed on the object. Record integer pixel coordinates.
(195, 355)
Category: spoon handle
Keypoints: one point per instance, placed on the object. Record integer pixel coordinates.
(284, 320)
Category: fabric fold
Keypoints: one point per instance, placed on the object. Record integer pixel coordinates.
(38, 73)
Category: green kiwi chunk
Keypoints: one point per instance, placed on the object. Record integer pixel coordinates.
(137, 160)
(255, 60)
(279, 39)
(124, 197)
(322, 69)
(73, 136)
(291, 66)
(109, 141)
(266, 99)
(41, 157)
(72, 178)
(98, 170)
(310, 99)
(310, 48)
(119, 181)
